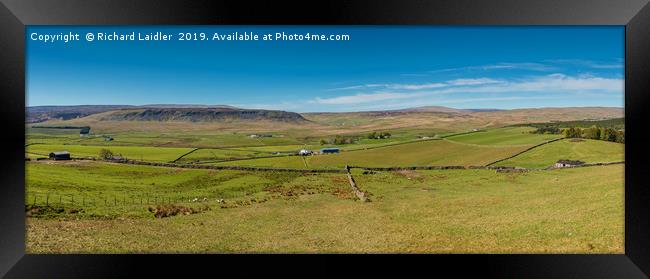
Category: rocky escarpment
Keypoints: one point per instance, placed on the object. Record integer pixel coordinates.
(203, 115)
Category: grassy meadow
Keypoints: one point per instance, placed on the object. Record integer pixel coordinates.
(94, 206)
(504, 136)
(421, 153)
(590, 151)
(447, 211)
(144, 153)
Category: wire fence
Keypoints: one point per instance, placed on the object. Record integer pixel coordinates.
(80, 200)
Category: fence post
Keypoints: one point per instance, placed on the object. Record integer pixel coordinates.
(83, 201)
(114, 200)
(60, 200)
(34, 203)
(47, 199)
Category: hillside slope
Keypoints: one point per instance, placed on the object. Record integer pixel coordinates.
(201, 115)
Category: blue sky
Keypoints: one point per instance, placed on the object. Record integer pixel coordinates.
(378, 68)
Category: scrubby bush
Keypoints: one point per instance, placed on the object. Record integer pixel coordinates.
(547, 130)
(381, 135)
(343, 140)
(106, 154)
(168, 210)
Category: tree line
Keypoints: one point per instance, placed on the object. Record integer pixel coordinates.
(593, 132)
(339, 140)
(380, 135)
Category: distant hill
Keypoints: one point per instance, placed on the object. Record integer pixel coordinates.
(188, 112)
(187, 106)
(435, 109)
(44, 113)
(483, 110)
(173, 117)
(207, 114)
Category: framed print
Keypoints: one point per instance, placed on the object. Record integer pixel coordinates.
(489, 134)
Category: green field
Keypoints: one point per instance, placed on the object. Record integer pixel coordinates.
(146, 153)
(448, 211)
(590, 151)
(211, 154)
(296, 162)
(86, 206)
(421, 153)
(504, 136)
(101, 186)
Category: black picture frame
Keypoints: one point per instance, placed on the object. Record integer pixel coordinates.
(633, 14)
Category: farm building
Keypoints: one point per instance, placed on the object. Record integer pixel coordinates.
(108, 139)
(84, 132)
(568, 163)
(329, 150)
(117, 158)
(305, 152)
(60, 155)
(260, 136)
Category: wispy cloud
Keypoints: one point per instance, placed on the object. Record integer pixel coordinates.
(520, 66)
(397, 86)
(590, 64)
(474, 81)
(549, 65)
(420, 86)
(530, 66)
(553, 83)
(365, 98)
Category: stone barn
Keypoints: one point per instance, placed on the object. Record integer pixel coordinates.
(329, 150)
(568, 163)
(84, 132)
(60, 155)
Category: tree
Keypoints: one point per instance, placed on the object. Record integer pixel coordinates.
(578, 132)
(323, 142)
(385, 135)
(105, 154)
(610, 134)
(573, 132)
(592, 132)
(620, 136)
(338, 139)
(595, 132)
(547, 130)
(372, 135)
